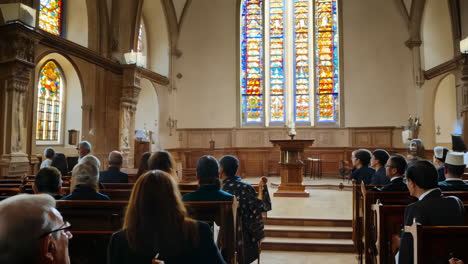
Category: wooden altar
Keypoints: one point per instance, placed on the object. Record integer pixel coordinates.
(291, 167)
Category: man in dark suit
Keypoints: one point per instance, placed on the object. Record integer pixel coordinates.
(210, 185)
(440, 154)
(395, 169)
(378, 161)
(362, 173)
(113, 173)
(432, 209)
(454, 169)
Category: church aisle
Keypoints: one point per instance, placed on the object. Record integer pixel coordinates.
(280, 257)
(322, 203)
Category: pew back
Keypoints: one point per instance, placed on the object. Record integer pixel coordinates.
(437, 244)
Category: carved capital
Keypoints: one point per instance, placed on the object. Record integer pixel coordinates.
(17, 45)
(411, 43)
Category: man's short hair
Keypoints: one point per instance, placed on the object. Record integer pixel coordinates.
(455, 170)
(363, 155)
(85, 174)
(86, 145)
(423, 174)
(115, 158)
(48, 180)
(207, 169)
(381, 155)
(24, 218)
(398, 162)
(91, 160)
(230, 164)
(49, 153)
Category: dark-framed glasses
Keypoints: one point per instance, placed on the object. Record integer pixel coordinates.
(66, 227)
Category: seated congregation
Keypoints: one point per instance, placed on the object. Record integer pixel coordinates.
(401, 204)
(144, 218)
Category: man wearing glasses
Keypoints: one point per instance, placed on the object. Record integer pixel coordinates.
(33, 231)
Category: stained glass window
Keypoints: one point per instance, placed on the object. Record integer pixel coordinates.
(298, 49)
(49, 104)
(327, 59)
(252, 61)
(50, 16)
(140, 45)
(277, 113)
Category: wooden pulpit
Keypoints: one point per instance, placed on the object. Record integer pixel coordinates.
(291, 167)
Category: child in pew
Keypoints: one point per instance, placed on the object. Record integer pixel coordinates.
(156, 223)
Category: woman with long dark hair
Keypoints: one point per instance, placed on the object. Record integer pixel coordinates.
(60, 162)
(143, 165)
(163, 160)
(156, 224)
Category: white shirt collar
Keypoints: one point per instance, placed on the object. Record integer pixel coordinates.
(426, 193)
(453, 179)
(396, 177)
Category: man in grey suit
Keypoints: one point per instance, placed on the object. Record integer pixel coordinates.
(432, 209)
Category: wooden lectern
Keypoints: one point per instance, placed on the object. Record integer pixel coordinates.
(291, 167)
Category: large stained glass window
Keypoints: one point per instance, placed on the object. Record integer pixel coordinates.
(50, 16)
(252, 61)
(49, 104)
(290, 62)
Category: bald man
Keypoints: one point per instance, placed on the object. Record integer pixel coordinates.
(113, 173)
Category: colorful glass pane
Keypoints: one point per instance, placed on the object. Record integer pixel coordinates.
(277, 61)
(49, 102)
(327, 54)
(301, 60)
(50, 16)
(140, 39)
(252, 61)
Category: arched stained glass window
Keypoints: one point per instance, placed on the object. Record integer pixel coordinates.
(49, 104)
(289, 62)
(50, 16)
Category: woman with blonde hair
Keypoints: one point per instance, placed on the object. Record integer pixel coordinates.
(163, 160)
(156, 224)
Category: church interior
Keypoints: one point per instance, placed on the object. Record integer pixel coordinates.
(291, 88)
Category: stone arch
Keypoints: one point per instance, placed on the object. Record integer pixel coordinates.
(147, 114)
(73, 100)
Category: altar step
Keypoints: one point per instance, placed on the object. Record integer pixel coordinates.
(312, 235)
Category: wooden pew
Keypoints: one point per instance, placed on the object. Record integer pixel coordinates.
(98, 216)
(224, 214)
(89, 247)
(436, 244)
(364, 220)
(93, 215)
(9, 191)
(389, 221)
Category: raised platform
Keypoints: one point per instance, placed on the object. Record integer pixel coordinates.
(307, 234)
(291, 194)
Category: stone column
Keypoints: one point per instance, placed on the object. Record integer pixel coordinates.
(415, 46)
(462, 87)
(16, 65)
(128, 102)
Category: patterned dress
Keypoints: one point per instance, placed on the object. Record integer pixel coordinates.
(250, 229)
